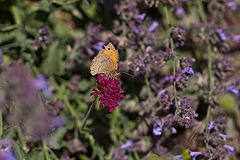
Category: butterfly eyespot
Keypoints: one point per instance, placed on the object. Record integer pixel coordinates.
(108, 55)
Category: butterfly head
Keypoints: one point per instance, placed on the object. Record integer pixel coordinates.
(110, 48)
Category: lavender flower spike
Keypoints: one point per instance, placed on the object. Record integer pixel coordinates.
(188, 70)
(153, 26)
(1, 52)
(221, 34)
(233, 89)
(6, 151)
(140, 16)
(232, 5)
(230, 149)
(41, 83)
(157, 130)
(127, 145)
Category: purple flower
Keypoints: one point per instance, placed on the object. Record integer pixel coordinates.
(186, 61)
(182, 80)
(212, 126)
(137, 31)
(153, 26)
(90, 51)
(232, 5)
(119, 155)
(127, 145)
(140, 16)
(6, 151)
(180, 12)
(179, 35)
(109, 91)
(42, 38)
(230, 149)
(43, 30)
(161, 92)
(174, 131)
(169, 54)
(98, 46)
(57, 122)
(236, 38)
(41, 84)
(195, 154)
(233, 89)
(188, 70)
(1, 52)
(165, 101)
(221, 34)
(184, 114)
(224, 136)
(186, 155)
(66, 158)
(157, 130)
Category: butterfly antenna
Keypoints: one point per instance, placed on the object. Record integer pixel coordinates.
(127, 74)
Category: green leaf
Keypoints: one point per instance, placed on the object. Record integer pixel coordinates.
(89, 9)
(5, 37)
(53, 64)
(186, 154)
(152, 156)
(228, 103)
(84, 85)
(18, 151)
(57, 138)
(36, 154)
(60, 29)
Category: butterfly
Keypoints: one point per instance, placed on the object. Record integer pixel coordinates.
(106, 61)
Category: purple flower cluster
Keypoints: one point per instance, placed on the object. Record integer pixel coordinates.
(179, 35)
(6, 150)
(184, 113)
(29, 111)
(1, 52)
(41, 83)
(93, 42)
(42, 39)
(183, 77)
(217, 149)
(155, 3)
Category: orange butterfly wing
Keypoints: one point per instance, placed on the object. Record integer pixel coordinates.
(106, 61)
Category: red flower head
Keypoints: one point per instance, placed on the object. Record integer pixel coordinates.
(109, 91)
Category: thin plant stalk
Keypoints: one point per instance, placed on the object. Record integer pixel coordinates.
(45, 150)
(21, 137)
(209, 52)
(88, 113)
(174, 60)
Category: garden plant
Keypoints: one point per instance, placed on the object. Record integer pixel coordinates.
(119, 79)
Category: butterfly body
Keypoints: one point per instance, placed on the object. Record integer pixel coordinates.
(106, 61)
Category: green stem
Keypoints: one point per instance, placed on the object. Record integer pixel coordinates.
(166, 14)
(21, 137)
(174, 73)
(88, 113)
(136, 156)
(69, 107)
(174, 60)
(209, 68)
(201, 11)
(15, 14)
(210, 84)
(45, 150)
